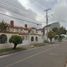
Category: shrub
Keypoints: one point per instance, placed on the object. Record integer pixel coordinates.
(15, 39)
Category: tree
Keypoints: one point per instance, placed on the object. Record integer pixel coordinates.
(60, 37)
(3, 26)
(59, 32)
(15, 39)
(51, 35)
(56, 30)
(62, 30)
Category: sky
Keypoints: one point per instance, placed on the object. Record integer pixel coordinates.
(33, 10)
(15, 9)
(58, 12)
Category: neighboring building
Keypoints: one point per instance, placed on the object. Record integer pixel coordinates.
(49, 28)
(29, 34)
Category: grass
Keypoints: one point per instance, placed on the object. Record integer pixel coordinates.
(7, 51)
(10, 50)
(38, 44)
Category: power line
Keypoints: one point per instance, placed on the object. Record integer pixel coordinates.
(12, 11)
(8, 2)
(19, 8)
(5, 3)
(19, 19)
(2, 5)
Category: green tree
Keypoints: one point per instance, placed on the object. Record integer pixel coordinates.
(62, 30)
(59, 32)
(56, 30)
(60, 38)
(3, 26)
(15, 39)
(51, 35)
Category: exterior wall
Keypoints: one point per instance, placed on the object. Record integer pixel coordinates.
(40, 32)
(33, 31)
(24, 32)
(6, 45)
(40, 40)
(8, 36)
(26, 41)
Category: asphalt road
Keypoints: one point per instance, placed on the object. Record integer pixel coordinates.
(48, 56)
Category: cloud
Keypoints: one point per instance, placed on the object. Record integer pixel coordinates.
(60, 12)
(29, 9)
(15, 9)
(40, 5)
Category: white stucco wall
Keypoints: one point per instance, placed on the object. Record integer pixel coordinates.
(7, 45)
(26, 41)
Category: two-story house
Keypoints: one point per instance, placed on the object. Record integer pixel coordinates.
(29, 34)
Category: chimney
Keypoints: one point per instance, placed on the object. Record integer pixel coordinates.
(25, 25)
(12, 23)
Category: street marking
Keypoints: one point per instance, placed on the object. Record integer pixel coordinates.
(16, 53)
(21, 60)
(4, 56)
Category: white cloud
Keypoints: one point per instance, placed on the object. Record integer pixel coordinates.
(24, 3)
(15, 9)
(58, 12)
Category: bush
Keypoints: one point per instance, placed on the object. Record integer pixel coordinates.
(15, 39)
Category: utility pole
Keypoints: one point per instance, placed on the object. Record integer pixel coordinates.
(47, 22)
(47, 15)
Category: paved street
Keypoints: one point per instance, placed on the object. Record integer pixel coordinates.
(48, 56)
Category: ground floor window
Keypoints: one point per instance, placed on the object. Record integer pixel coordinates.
(36, 38)
(3, 38)
(32, 38)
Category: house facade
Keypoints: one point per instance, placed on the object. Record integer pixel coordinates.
(29, 34)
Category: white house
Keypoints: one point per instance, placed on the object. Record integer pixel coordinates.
(29, 34)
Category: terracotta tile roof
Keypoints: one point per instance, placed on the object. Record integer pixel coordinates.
(23, 33)
(17, 27)
(15, 33)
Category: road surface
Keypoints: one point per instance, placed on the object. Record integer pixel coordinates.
(54, 55)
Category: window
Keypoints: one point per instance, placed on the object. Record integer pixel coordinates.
(36, 38)
(3, 38)
(32, 38)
